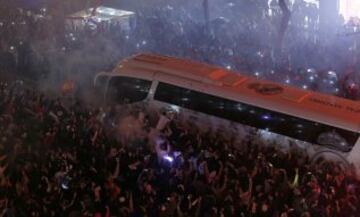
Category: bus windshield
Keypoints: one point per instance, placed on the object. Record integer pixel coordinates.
(127, 90)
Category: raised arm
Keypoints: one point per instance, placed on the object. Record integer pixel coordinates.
(117, 169)
(295, 183)
(131, 203)
(178, 209)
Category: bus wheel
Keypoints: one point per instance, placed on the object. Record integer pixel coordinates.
(323, 157)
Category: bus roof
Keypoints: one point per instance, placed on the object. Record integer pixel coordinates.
(265, 92)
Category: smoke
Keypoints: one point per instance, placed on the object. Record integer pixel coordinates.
(130, 130)
(78, 63)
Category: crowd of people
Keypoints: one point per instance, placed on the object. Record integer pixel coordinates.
(59, 157)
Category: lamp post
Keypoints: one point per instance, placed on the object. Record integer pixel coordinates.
(206, 13)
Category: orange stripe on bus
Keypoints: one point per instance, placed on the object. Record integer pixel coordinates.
(217, 74)
(303, 97)
(240, 81)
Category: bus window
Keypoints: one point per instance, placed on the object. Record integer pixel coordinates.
(276, 122)
(127, 90)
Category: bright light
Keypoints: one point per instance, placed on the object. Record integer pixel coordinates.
(316, 2)
(266, 117)
(350, 8)
(175, 108)
(168, 158)
(64, 186)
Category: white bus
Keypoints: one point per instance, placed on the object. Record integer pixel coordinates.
(210, 96)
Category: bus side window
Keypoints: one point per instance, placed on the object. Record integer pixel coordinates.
(276, 122)
(127, 90)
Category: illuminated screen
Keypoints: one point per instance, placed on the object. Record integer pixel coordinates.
(350, 8)
(347, 8)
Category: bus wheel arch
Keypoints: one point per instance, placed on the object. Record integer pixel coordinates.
(322, 157)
